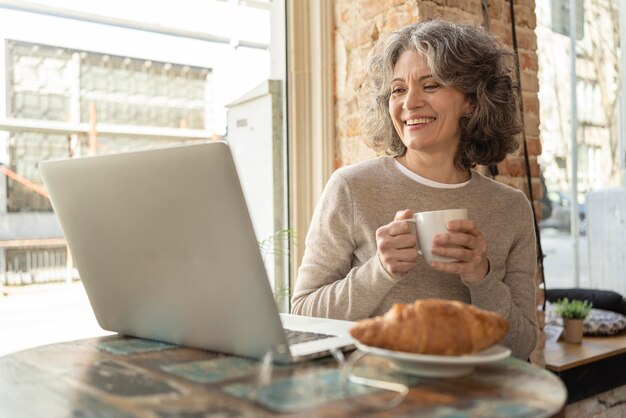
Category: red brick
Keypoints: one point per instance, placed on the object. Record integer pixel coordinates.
(502, 31)
(528, 60)
(529, 81)
(524, 16)
(399, 17)
(528, 3)
(509, 181)
(362, 52)
(460, 16)
(515, 166)
(370, 9)
(502, 169)
(505, 17)
(533, 145)
(536, 187)
(535, 170)
(494, 7)
(531, 125)
(472, 6)
(531, 103)
(429, 10)
(526, 38)
(367, 32)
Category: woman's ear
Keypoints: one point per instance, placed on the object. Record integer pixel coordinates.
(468, 108)
(470, 104)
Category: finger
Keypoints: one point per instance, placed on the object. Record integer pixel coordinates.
(457, 253)
(398, 230)
(401, 227)
(397, 260)
(403, 214)
(405, 241)
(389, 247)
(458, 239)
(390, 256)
(395, 255)
(463, 225)
(404, 255)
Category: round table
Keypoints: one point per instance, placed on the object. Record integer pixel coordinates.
(120, 377)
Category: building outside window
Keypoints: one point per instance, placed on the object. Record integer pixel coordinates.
(106, 78)
(595, 257)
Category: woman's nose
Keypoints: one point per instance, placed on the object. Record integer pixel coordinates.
(413, 98)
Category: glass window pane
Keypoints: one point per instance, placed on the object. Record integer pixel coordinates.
(169, 69)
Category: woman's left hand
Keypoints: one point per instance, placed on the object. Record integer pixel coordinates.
(463, 242)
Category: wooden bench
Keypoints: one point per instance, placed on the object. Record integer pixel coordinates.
(590, 368)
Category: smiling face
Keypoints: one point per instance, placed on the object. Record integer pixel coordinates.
(425, 114)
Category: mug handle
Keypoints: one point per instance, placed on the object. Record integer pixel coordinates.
(414, 230)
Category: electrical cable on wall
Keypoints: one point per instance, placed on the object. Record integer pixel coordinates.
(493, 168)
(540, 255)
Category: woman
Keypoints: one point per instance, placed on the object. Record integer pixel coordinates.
(439, 100)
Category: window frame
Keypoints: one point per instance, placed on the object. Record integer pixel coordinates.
(310, 113)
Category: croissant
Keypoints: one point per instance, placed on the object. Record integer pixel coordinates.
(432, 326)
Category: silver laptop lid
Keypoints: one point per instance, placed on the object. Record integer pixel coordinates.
(165, 248)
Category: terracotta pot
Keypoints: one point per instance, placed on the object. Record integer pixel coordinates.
(573, 330)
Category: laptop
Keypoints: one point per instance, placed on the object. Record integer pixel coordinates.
(165, 248)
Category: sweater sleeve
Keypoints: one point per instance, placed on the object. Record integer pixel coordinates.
(511, 291)
(328, 284)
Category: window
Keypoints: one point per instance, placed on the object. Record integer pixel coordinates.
(47, 83)
(595, 257)
(107, 77)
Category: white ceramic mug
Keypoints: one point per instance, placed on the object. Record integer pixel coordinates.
(429, 224)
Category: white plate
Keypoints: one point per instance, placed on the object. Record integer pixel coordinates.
(437, 366)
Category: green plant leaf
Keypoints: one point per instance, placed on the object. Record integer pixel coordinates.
(573, 309)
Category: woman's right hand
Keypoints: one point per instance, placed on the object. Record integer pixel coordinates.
(396, 244)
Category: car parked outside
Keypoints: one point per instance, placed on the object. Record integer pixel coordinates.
(560, 213)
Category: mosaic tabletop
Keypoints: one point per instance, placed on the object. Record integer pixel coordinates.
(119, 377)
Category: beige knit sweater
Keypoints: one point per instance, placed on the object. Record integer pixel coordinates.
(341, 275)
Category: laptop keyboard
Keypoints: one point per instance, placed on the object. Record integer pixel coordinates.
(296, 337)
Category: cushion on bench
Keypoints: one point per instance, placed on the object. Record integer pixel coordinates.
(601, 299)
(599, 321)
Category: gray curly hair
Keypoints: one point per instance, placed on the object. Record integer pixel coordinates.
(464, 56)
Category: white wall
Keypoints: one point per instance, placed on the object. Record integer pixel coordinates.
(250, 135)
(606, 232)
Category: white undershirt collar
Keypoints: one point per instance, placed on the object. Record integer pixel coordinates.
(425, 181)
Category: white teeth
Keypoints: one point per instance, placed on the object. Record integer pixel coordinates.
(411, 122)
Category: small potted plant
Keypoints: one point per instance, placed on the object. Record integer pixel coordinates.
(573, 313)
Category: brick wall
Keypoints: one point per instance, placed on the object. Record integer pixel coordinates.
(359, 23)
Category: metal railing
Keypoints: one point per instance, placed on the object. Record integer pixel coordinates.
(36, 262)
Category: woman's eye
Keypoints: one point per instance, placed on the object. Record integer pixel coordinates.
(431, 87)
(397, 90)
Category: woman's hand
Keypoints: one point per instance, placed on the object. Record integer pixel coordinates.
(396, 244)
(463, 242)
